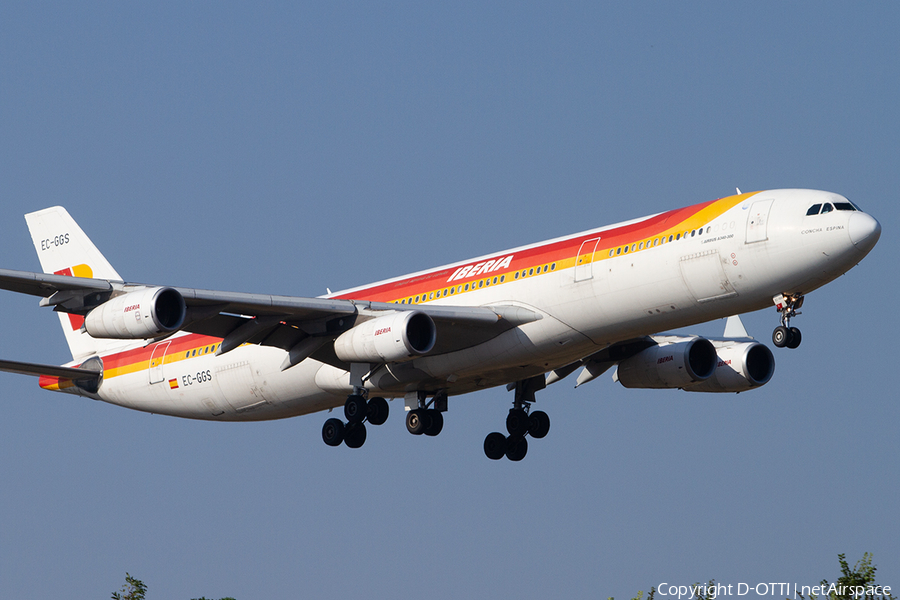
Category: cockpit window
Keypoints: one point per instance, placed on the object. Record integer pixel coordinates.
(844, 206)
(814, 210)
(827, 208)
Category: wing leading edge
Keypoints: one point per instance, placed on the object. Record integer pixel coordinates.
(299, 325)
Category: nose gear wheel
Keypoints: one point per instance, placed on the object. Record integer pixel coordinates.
(784, 335)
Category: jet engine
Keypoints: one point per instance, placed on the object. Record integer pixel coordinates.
(394, 337)
(669, 365)
(741, 366)
(138, 315)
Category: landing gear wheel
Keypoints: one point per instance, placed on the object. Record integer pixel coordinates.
(355, 435)
(417, 421)
(495, 445)
(333, 432)
(516, 448)
(517, 422)
(794, 338)
(780, 336)
(355, 408)
(377, 411)
(538, 424)
(436, 422)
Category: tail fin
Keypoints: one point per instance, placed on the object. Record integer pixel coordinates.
(64, 249)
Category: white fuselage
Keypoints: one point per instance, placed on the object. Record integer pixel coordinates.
(733, 260)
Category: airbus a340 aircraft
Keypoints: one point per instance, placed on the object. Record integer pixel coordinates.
(524, 318)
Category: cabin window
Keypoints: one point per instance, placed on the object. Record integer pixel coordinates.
(612, 251)
(641, 246)
(553, 267)
(626, 249)
(531, 271)
(618, 251)
(467, 287)
(678, 237)
(670, 238)
(495, 281)
(516, 275)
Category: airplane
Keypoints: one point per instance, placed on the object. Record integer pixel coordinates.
(523, 318)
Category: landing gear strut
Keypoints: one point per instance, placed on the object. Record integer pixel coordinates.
(519, 423)
(784, 334)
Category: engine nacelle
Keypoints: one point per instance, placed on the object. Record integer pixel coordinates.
(394, 337)
(742, 366)
(670, 365)
(138, 315)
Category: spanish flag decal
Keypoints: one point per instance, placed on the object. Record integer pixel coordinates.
(173, 384)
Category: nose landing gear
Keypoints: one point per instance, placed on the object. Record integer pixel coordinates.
(784, 334)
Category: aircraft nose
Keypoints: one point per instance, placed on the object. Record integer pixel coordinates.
(864, 231)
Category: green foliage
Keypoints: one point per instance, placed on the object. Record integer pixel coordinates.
(862, 576)
(134, 589)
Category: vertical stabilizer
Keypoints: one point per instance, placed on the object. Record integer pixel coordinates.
(64, 249)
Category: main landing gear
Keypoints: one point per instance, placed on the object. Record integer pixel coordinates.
(784, 334)
(427, 418)
(519, 423)
(356, 410)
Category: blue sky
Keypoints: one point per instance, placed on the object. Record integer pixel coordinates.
(287, 148)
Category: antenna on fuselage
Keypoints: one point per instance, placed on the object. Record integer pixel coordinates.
(738, 190)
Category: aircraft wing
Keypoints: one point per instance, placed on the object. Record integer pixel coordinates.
(281, 321)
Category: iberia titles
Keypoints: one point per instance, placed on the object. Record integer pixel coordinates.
(487, 266)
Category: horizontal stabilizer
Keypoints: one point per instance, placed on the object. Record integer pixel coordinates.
(37, 370)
